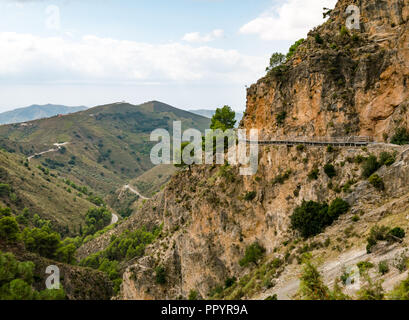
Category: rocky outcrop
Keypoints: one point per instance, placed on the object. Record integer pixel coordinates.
(340, 83)
(208, 223)
(347, 84)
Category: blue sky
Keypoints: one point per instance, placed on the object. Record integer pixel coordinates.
(188, 53)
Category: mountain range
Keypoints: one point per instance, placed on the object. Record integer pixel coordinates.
(35, 112)
(102, 148)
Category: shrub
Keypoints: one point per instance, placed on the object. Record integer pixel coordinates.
(383, 267)
(337, 208)
(300, 147)
(276, 263)
(9, 229)
(318, 39)
(96, 200)
(377, 182)
(5, 212)
(330, 171)
(96, 219)
(401, 137)
(160, 277)
(294, 48)
(230, 282)
(387, 159)
(371, 290)
(398, 233)
(227, 173)
(279, 71)
(370, 166)
(253, 254)
(193, 295)
(66, 253)
(379, 233)
(313, 175)
(311, 218)
(250, 196)
(330, 149)
(364, 266)
(42, 241)
(276, 60)
(383, 233)
(312, 286)
(401, 291)
(224, 118)
(355, 38)
(282, 177)
(344, 31)
(359, 159)
(280, 118)
(347, 187)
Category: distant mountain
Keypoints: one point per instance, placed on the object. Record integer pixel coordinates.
(210, 113)
(108, 145)
(35, 112)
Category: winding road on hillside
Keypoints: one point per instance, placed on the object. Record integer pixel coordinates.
(58, 145)
(128, 187)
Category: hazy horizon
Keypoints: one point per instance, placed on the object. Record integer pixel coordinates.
(189, 55)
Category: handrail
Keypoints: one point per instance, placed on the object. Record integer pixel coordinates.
(340, 141)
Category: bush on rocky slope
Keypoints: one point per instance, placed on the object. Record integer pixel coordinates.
(311, 217)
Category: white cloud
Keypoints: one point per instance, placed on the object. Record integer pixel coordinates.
(196, 37)
(290, 20)
(25, 58)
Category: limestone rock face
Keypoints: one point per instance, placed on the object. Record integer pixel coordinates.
(208, 224)
(350, 83)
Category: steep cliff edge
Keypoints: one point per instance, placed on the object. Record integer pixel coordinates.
(340, 82)
(350, 83)
(209, 222)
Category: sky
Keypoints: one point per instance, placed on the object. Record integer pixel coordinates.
(192, 54)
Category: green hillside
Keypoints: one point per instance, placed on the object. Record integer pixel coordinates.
(55, 174)
(41, 192)
(151, 181)
(107, 145)
(43, 220)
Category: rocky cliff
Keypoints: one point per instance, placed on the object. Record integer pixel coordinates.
(340, 82)
(337, 83)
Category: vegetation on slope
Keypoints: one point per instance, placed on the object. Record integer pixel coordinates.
(311, 217)
(108, 145)
(17, 278)
(125, 247)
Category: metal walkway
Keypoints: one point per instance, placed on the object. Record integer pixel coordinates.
(318, 141)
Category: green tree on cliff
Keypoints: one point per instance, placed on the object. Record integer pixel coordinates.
(223, 119)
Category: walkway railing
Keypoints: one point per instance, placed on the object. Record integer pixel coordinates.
(316, 141)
